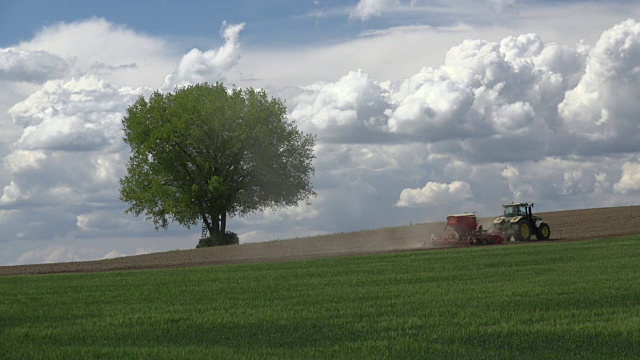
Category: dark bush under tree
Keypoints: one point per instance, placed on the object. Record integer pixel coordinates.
(229, 238)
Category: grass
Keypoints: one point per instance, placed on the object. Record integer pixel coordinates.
(576, 300)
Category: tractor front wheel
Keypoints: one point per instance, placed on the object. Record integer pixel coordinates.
(522, 231)
(544, 232)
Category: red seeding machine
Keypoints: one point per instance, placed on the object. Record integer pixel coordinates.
(464, 229)
(517, 222)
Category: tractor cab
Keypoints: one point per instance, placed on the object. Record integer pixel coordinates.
(520, 209)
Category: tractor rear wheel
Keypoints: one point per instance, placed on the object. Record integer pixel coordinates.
(544, 232)
(522, 231)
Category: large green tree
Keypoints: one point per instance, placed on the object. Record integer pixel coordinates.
(208, 153)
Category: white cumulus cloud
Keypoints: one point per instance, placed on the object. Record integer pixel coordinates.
(24, 160)
(350, 109)
(600, 110)
(630, 180)
(487, 96)
(31, 66)
(82, 113)
(435, 193)
(208, 66)
(11, 194)
(102, 220)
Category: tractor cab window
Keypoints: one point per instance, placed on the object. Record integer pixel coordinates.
(518, 210)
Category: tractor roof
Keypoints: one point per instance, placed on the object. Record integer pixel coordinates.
(517, 204)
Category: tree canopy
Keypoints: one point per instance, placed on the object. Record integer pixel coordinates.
(208, 153)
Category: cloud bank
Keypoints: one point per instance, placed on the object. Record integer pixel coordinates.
(516, 119)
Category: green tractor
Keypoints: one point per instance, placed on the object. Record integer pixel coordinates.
(519, 222)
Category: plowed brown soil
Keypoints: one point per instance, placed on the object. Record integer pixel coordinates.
(565, 225)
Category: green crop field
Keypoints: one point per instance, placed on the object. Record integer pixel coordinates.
(573, 300)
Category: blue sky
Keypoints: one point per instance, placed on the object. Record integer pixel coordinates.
(278, 23)
(163, 18)
(271, 22)
(421, 108)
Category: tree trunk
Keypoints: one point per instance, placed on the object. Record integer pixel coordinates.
(217, 225)
(213, 225)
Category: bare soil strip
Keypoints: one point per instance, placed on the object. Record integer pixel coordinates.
(565, 225)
